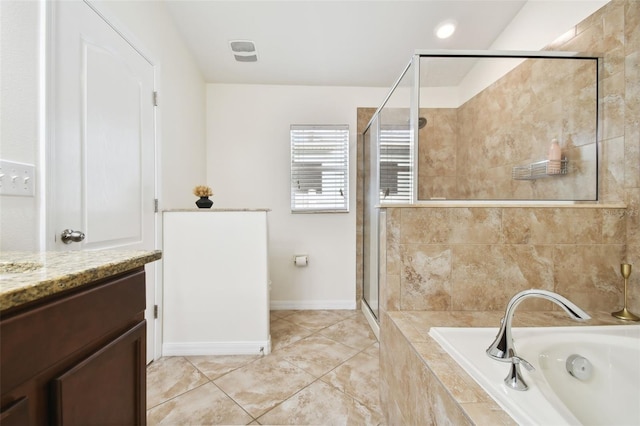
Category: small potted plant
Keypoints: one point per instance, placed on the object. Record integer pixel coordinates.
(204, 192)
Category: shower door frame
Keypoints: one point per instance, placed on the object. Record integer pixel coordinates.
(370, 241)
(373, 254)
(376, 205)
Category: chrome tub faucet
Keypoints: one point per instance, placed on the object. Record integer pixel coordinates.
(502, 348)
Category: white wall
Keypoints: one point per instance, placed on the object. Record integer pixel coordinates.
(181, 113)
(248, 165)
(536, 26)
(19, 92)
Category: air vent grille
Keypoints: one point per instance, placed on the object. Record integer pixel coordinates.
(244, 50)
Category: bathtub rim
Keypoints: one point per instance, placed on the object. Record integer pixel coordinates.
(498, 392)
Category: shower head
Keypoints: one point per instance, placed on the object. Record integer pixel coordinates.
(422, 122)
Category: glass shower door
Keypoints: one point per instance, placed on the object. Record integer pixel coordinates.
(370, 221)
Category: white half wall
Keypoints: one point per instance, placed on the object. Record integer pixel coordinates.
(248, 165)
(216, 296)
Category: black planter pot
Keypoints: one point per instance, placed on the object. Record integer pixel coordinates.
(204, 203)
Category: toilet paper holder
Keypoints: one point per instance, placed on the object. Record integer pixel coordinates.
(300, 260)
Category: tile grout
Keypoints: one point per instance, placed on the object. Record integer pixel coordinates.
(318, 332)
(319, 378)
(218, 387)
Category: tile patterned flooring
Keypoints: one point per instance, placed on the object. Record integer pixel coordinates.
(323, 369)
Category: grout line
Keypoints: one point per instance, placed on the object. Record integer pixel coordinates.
(236, 402)
(177, 396)
(316, 378)
(173, 397)
(317, 332)
(339, 365)
(289, 397)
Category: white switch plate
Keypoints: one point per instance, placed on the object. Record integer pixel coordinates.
(17, 178)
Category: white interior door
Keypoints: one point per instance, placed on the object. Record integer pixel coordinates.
(102, 155)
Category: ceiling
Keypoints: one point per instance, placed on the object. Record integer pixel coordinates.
(335, 43)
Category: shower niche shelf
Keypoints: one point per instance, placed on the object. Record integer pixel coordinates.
(540, 169)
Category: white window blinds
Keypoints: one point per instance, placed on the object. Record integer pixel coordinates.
(396, 175)
(319, 168)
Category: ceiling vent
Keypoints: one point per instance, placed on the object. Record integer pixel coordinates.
(244, 50)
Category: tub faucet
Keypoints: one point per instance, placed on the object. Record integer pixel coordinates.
(502, 348)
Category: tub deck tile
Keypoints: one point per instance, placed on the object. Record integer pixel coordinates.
(420, 367)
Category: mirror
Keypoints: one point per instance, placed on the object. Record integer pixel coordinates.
(488, 124)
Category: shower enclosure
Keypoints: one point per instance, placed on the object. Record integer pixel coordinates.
(469, 128)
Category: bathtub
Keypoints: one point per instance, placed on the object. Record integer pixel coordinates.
(610, 396)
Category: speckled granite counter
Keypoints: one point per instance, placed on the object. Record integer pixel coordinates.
(27, 276)
(422, 384)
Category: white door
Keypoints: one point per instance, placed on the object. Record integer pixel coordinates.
(102, 144)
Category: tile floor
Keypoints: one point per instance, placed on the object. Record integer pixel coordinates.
(323, 369)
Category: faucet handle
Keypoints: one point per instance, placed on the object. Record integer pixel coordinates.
(514, 379)
(517, 360)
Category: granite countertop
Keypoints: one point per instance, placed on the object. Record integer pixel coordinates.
(28, 276)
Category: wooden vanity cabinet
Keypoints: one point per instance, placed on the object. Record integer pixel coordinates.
(78, 358)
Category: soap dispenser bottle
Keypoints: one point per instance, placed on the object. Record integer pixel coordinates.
(554, 156)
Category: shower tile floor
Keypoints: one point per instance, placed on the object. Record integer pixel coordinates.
(323, 369)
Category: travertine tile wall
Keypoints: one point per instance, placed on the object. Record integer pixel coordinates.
(476, 258)
(513, 121)
(625, 95)
(575, 251)
(437, 154)
(409, 392)
(469, 152)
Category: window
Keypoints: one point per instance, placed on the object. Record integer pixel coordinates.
(396, 176)
(319, 168)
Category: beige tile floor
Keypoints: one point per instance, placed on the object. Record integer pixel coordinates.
(323, 370)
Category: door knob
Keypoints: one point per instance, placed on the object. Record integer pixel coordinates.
(69, 236)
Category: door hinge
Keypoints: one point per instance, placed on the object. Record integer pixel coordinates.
(155, 311)
(155, 205)
(155, 98)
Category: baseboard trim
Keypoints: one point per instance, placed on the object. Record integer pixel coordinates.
(282, 305)
(217, 348)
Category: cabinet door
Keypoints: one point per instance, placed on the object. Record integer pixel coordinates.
(107, 388)
(67, 328)
(17, 414)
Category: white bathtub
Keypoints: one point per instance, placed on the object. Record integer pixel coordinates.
(610, 397)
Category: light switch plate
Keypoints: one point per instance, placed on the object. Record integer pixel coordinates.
(17, 178)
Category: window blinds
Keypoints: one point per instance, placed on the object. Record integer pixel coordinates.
(319, 168)
(396, 176)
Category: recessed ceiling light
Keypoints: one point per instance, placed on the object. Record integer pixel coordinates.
(243, 50)
(445, 29)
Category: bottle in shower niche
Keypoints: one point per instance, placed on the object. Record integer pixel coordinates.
(554, 156)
